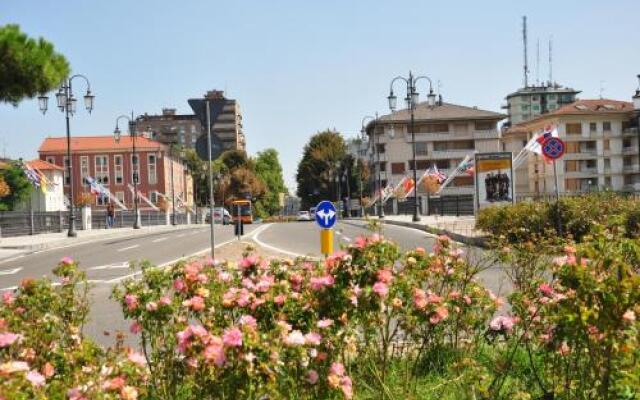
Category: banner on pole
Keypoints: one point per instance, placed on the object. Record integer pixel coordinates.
(494, 179)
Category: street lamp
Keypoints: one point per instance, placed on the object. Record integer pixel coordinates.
(375, 143)
(412, 101)
(172, 152)
(66, 102)
(134, 173)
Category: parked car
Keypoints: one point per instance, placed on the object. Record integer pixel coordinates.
(221, 216)
(304, 216)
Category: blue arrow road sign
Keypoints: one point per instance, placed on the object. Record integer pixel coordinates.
(326, 214)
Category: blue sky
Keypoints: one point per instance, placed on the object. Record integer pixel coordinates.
(297, 67)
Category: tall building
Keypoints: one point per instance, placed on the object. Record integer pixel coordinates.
(186, 129)
(532, 101)
(601, 148)
(444, 134)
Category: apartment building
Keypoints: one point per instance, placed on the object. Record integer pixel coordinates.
(444, 134)
(114, 166)
(186, 129)
(532, 101)
(601, 139)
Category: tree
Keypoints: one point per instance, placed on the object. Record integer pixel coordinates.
(235, 158)
(318, 167)
(19, 186)
(269, 170)
(242, 181)
(29, 67)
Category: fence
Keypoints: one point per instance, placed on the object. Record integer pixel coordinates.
(434, 205)
(22, 223)
(552, 197)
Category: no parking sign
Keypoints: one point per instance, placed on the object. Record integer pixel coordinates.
(553, 148)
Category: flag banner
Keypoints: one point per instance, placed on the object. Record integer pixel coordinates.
(141, 196)
(98, 190)
(535, 144)
(494, 179)
(32, 175)
(466, 166)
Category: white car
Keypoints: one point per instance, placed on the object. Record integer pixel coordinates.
(221, 214)
(304, 216)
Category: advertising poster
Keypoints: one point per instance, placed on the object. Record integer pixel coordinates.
(494, 179)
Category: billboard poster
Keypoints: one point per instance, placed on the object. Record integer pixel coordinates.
(494, 179)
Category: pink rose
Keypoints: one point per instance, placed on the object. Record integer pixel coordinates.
(214, 352)
(295, 338)
(232, 337)
(66, 260)
(312, 339)
(312, 376)
(419, 298)
(324, 323)
(441, 313)
(151, 306)
(179, 285)
(165, 300)
(137, 358)
(249, 321)
(7, 298)
(381, 289)
(8, 338)
(135, 328)
(385, 275)
(35, 378)
(132, 301)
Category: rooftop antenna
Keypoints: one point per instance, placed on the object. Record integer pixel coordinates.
(550, 60)
(538, 63)
(524, 41)
(601, 88)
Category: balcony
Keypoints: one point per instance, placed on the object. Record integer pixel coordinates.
(631, 168)
(452, 153)
(630, 132)
(630, 150)
(486, 135)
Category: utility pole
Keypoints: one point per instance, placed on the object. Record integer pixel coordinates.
(211, 199)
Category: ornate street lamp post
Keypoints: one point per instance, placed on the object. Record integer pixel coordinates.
(412, 101)
(135, 172)
(67, 103)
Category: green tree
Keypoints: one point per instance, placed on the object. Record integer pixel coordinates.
(28, 66)
(269, 170)
(19, 186)
(235, 158)
(318, 167)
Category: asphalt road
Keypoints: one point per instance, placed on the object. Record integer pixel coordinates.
(107, 261)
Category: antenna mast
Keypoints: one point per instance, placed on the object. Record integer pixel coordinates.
(538, 63)
(550, 60)
(524, 41)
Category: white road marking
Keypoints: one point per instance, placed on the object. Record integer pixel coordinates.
(110, 266)
(11, 271)
(159, 239)
(256, 238)
(180, 235)
(128, 247)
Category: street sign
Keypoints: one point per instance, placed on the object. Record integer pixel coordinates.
(326, 214)
(553, 148)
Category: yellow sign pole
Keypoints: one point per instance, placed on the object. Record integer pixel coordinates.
(326, 241)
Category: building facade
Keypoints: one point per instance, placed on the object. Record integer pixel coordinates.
(52, 198)
(601, 139)
(113, 165)
(444, 134)
(532, 101)
(185, 129)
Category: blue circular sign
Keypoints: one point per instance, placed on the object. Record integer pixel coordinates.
(553, 148)
(326, 214)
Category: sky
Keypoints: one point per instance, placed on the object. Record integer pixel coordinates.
(299, 67)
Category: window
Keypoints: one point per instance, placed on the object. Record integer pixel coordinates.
(67, 179)
(84, 169)
(153, 197)
(534, 98)
(607, 163)
(442, 164)
(485, 125)
(551, 97)
(135, 170)
(421, 164)
(383, 166)
(535, 107)
(605, 144)
(421, 148)
(433, 128)
(120, 197)
(381, 148)
(571, 166)
(440, 146)
(152, 178)
(571, 185)
(51, 160)
(607, 181)
(193, 128)
(627, 161)
(593, 127)
(606, 126)
(626, 143)
(525, 107)
(182, 137)
(193, 139)
(118, 171)
(574, 129)
(102, 170)
(397, 168)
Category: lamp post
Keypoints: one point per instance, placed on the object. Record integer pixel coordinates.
(346, 177)
(172, 151)
(636, 107)
(66, 102)
(375, 143)
(412, 100)
(134, 173)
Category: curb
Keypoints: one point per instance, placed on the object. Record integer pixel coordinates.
(480, 241)
(65, 241)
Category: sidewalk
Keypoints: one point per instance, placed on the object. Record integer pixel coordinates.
(12, 246)
(461, 229)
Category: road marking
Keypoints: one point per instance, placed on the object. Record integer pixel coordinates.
(344, 237)
(110, 266)
(181, 235)
(159, 240)
(256, 238)
(11, 271)
(129, 247)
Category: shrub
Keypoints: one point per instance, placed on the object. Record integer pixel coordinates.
(632, 224)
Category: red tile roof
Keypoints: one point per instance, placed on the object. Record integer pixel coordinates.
(97, 143)
(43, 165)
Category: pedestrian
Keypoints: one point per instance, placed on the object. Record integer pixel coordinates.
(111, 214)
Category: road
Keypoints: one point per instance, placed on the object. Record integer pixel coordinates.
(107, 261)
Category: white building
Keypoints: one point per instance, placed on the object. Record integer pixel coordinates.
(51, 199)
(601, 139)
(444, 134)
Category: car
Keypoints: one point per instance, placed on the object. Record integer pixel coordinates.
(303, 216)
(221, 216)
